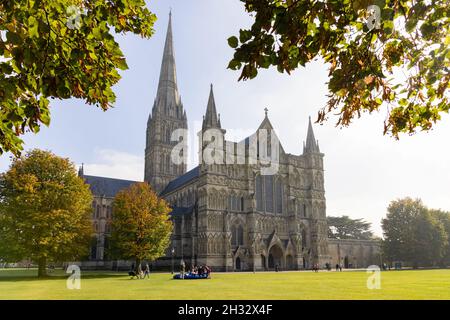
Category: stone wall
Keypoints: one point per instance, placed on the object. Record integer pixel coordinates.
(354, 253)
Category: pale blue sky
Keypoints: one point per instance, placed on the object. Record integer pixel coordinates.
(364, 169)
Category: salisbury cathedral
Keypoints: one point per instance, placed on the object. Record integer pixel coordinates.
(236, 214)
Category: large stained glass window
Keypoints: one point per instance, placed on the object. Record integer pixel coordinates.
(269, 194)
(268, 186)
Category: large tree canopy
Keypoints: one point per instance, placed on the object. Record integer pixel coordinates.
(45, 211)
(414, 233)
(392, 53)
(60, 49)
(141, 227)
(345, 227)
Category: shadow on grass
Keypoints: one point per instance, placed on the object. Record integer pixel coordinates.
(31, 275)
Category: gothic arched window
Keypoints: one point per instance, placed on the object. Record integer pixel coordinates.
(168, 163)
(268, 184)
(304, 243)
(240, 235)
(279, 196)
(233, 236)
(162, 164)
(94, 248)
(269, 194)
(259, 191)
(168, 135)
(235, 203)
(237, 235)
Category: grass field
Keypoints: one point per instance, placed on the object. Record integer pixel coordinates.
(421, 284)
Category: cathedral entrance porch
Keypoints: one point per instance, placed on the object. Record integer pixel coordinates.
(276, 257)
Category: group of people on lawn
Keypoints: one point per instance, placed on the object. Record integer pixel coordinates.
(195, 270)
(327, 266)
(139, 273)
(144, 272)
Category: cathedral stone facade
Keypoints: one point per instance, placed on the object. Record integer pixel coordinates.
(230, 213)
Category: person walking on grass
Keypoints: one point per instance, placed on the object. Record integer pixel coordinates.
(183, 266)
(146, 271)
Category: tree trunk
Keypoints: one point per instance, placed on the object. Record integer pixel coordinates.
(42, 268)
(138, 266)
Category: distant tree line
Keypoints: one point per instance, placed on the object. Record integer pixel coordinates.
(415, 234)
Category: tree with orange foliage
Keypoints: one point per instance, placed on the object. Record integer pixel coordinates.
(141, 227)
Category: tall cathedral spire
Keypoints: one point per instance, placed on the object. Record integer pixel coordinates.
(211, 120)
(311, 146)
(168, 95)
(166, 117)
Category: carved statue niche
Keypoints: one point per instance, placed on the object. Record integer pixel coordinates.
(294, 205)
(253, 200)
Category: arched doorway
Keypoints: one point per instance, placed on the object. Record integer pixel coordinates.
(275, 257)
(346, 262)
(290, 262)
(238, 263)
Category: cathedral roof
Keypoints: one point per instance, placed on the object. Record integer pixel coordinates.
(107, 187)
(181, 211)
(265, 125)
(182, 180)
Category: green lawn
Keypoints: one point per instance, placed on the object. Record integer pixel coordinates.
(421, 284)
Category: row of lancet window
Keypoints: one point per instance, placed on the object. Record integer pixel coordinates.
(106, 209)
(167, 167)
(236, 203)
(97, 227)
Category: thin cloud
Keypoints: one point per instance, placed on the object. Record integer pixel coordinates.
(116, 164)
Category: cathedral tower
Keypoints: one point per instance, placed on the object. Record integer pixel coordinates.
(167, 115)
(211, 130)
(316, 198)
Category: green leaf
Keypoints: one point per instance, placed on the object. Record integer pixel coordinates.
(312, 29)
(234, 65)
(233, 42)
(244, 35)
(122, 64)
(33, 27)
(13, 37)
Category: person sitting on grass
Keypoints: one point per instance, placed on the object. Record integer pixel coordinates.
(132, 273)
